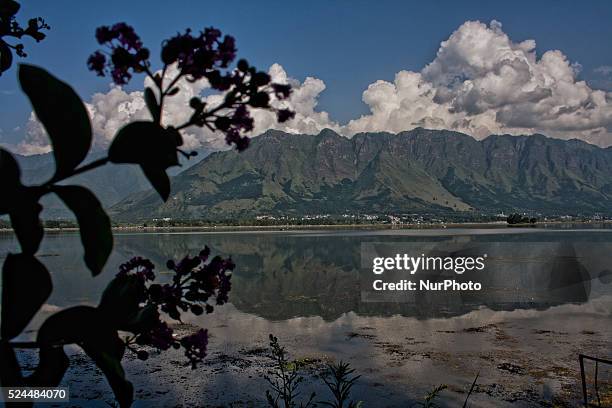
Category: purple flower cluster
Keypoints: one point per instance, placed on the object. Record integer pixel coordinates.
(9, 27)
(197, 284)
(195, 346)
(207, 54)
(138, 266)
(199, 55)
(244, 87)
(126, 53)
(161, 336)
(35, 25)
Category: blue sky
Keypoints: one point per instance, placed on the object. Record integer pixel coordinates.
(346, 44)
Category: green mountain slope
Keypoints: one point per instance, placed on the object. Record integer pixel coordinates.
(415, 171)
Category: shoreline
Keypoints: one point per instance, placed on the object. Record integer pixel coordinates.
(293, 227)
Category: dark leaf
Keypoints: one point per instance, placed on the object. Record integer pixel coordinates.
(158, 179)
(152, 104)
(143, 320)
(75, 325)
(9, 170)
(87, 326)
(109, 361)
(52, 365)
(10, 372)
(9, 180)
(26, 223)
(8, 8)
(121, 298)
(26, 285)
(145, 143)
(94, 224)
(6, 57)
(63, 115)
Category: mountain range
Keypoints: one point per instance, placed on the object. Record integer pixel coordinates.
(417, 171)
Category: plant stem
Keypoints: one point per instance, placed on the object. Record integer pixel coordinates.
(163, 93)
(172, 83)
(206, 115)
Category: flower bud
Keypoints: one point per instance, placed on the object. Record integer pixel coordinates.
(196, 103)
(243, 65)
(260, 100)
(197, 310)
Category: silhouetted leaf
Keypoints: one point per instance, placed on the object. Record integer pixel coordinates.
(6, 57)
(9, 169)
(8, 8)
(143, 320)
(21, 203)
(75, 325)
(158, 179)
(26, 223)
(10, 372)
(26, 285)
(86, 326)
(151, 146)
(9, 180)
(145, 143)
(121, 298)
(52, 365)
(110, 364)
(63, 115)
(94, 224)
(152, 104)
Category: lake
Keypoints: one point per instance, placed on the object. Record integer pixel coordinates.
(304, 286)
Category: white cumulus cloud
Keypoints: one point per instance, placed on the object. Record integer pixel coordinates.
(481, 82)
(303, 101)
(113, 109)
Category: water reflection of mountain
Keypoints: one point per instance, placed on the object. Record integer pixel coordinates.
(280, 276)
(285, 275)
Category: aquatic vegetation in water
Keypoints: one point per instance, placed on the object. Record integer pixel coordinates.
(430, 398)
(340, 383)
(284, 380)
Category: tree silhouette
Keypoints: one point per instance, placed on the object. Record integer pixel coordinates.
(9, 27)
(129, 314)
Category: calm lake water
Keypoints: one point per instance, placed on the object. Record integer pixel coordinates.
(304, 286)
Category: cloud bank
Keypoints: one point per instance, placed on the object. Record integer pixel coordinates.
(480, 83)
(111, 110)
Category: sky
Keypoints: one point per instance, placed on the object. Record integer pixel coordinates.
(479, 67)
